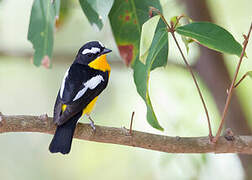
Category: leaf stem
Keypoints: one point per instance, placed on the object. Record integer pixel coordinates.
(161, 16)
(230, 91)
(171, 29)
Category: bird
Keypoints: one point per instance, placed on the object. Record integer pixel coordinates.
(83, 82)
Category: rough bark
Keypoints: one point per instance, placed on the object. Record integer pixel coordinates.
(212, 70)
(44, 124)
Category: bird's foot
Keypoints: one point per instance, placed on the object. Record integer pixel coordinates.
(91, 123)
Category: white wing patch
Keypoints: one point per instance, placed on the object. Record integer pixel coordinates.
(93, 50)
(90, 84)
(63, 83)
(101, 44)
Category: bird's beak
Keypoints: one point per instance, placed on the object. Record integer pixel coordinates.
(105, 51)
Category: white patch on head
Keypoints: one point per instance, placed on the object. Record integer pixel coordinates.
(90, 84)
(101, 44)
(63, 83)
(93, 50)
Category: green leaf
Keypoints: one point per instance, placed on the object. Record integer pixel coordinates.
(126, 19)
(148, 30)
(249, 73)
(174, 19)
(57, 7)
(157, 57)
(63, 12)
(211, 36)
(96, 11)
(41, 29)
(186, 42)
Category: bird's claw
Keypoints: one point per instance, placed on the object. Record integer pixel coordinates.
(92, 123)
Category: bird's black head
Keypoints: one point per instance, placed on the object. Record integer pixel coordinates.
(90, 51)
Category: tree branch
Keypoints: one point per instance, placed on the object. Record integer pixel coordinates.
(44, 124)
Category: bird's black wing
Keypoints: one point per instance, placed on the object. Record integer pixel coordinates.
(73, 81)
(81, 85)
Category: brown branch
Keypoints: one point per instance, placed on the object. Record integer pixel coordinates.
(44, 124)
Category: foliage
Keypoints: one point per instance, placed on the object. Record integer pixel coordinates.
(126, 19)
(211, 36)
(64, 13)
(41, 29)
(157, 57)
(96, 11)
(142, 41)
(249, 74)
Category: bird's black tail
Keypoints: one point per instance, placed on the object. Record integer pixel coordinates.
(63, 136)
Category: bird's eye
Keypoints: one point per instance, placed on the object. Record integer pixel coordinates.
(89, 54)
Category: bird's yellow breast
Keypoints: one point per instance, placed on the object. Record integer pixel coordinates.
(89, 107)
(100, 63)
(87, 110)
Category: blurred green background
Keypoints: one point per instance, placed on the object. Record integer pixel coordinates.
(26, 89)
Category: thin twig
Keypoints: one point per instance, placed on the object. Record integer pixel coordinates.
(237, 84)
(196, 84)
(161, 16)
(230, 91)
(178, 19)
(131, 123)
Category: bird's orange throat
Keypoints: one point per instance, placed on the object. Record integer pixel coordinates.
(100, 63)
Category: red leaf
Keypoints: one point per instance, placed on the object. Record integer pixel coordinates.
(126, 52)
(46, 61)
(127, 18)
